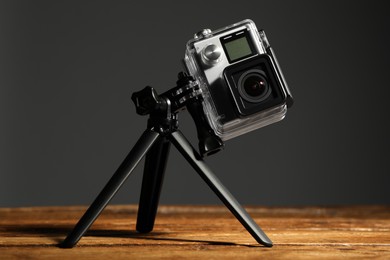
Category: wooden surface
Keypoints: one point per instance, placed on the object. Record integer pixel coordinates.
(199, 232)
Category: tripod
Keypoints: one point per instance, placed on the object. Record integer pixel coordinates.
(162, 130)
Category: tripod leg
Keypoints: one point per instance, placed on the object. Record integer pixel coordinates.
(122, 173)
(155, 163)
(214, 183)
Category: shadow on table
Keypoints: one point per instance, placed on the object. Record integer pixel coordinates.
(55, 232)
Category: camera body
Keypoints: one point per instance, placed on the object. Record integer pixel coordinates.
(239, 79)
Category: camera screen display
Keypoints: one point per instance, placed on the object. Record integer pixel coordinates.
(237, 46)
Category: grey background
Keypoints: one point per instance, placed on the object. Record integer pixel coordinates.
(68, 69)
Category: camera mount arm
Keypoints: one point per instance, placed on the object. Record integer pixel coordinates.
(163, 111)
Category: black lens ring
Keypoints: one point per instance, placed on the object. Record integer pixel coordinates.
(243, 93)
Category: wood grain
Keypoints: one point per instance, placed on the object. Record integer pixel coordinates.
(357, 232)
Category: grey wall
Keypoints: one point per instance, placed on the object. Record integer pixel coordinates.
(67, 71)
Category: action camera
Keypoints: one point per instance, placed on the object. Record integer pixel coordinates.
(239, 78)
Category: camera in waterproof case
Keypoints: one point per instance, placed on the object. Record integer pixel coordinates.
(239, 78)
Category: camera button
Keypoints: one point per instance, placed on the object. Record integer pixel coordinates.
(211, 54)
(202, 34)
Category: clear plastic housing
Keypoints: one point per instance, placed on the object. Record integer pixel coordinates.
(209, 57)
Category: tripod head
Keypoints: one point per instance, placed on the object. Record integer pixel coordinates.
(163, 110)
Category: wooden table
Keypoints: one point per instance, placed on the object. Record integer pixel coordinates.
(209, 232)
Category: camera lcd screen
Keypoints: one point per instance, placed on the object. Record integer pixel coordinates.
(238, 48)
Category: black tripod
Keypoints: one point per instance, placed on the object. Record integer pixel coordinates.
(162, 130)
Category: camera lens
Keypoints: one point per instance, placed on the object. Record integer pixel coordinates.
(253, 86)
